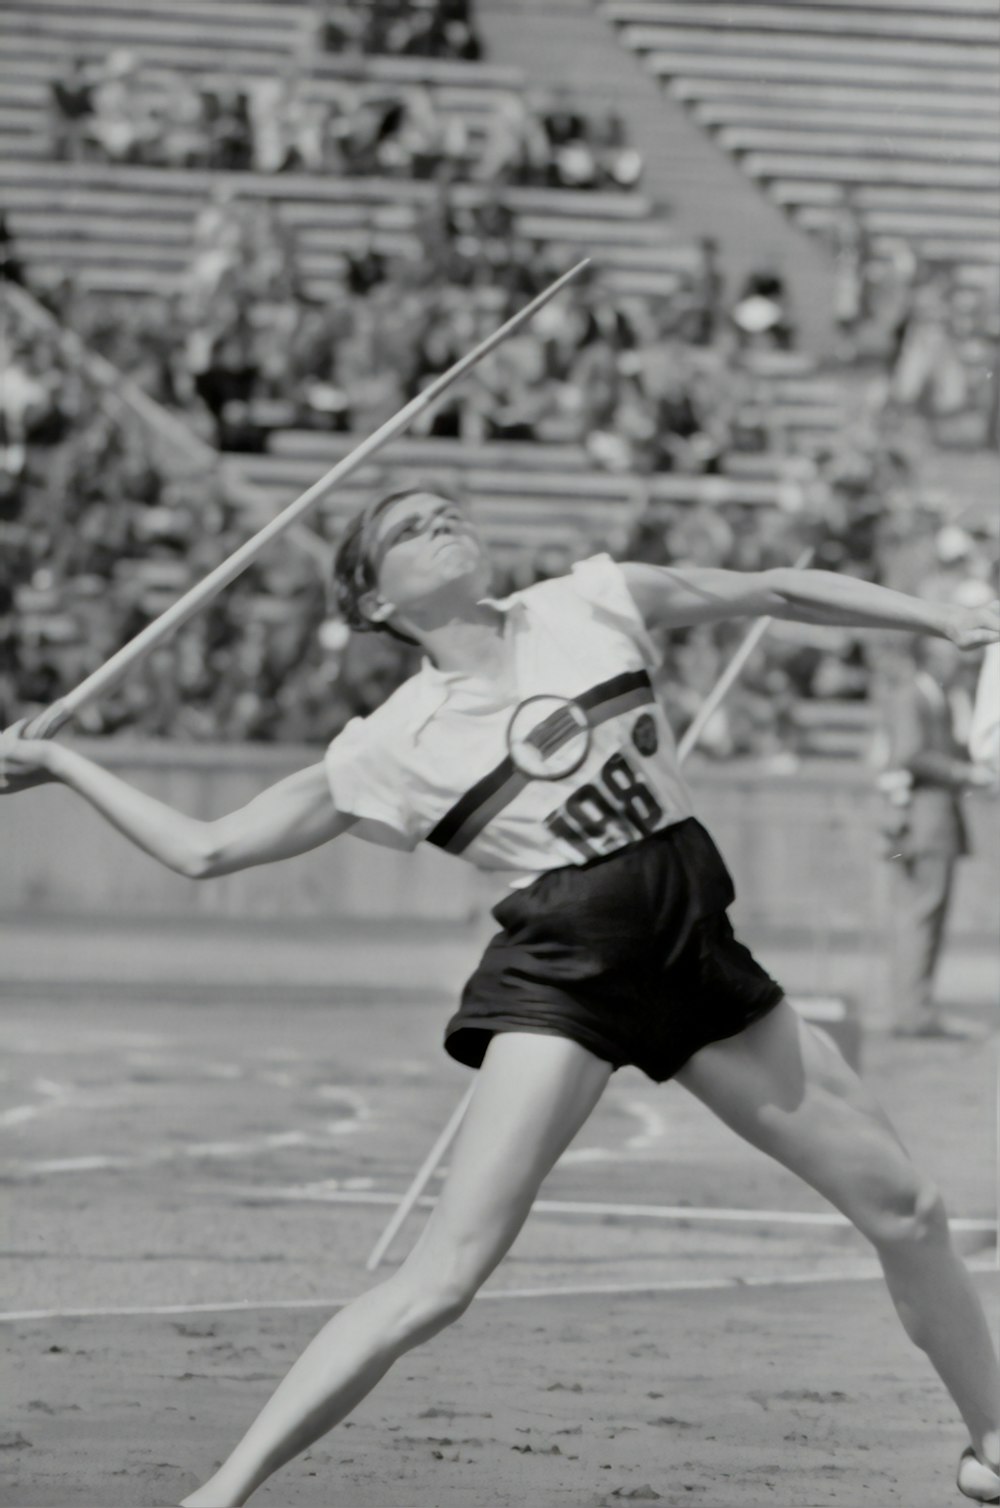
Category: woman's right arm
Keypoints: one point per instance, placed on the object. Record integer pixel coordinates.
(288, 818)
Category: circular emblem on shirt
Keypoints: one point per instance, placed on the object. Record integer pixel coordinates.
(548, 737)
(644, 735)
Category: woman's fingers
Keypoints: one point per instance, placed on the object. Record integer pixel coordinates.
(22, 761)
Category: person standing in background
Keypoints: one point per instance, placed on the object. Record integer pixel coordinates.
(927, 724)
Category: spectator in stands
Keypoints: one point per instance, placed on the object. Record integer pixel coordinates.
(219, 239)
(508, 395)
(226, 116)
(849, 243)
(223, 362)
(457, 30)
(760, 316)
(417, 140)
(515, 149)
(929, 374)
(282, 131)
(121, 125)
(375, 391)
(71, 100)
(183, 140)
(335, 27)
(618, 163)
(317, 399)
(11, 266)
(574, 153)
(368, 127)
(974, 330)
(30, 391)
(365, 266)
(889, 284)
(434, 29)
(960, 570)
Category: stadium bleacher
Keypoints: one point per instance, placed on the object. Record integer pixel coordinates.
(128, 229)
(125, 228)
(132, 243)
(896, 102)
(796, 102)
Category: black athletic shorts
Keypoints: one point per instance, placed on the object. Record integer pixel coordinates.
(631, 955)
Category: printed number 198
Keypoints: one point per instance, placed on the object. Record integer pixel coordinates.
(621, 806)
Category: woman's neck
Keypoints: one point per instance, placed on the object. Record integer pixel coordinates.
(473, 644)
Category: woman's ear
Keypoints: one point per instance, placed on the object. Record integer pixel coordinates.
(374, 608)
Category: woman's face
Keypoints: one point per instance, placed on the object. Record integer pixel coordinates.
(426, 548)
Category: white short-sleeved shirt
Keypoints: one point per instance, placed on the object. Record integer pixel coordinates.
(579, 762)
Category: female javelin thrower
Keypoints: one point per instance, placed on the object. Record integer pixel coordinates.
(530, 743)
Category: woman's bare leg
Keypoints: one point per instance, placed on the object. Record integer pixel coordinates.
(533, 1094)
(783, 1086)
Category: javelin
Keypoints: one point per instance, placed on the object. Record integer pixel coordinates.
(107, 675)
(435, 1156)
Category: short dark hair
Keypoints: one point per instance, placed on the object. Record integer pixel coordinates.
(354, 568)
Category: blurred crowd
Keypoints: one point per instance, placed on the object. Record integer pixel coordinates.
(119, 111)
(100, 530)
(246, 345)
(935, 336)
(399, 28)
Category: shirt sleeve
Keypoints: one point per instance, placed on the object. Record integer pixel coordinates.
(984, 735)
(600, 582)
(366, 782)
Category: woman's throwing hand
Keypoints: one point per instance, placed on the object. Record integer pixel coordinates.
(24, 762)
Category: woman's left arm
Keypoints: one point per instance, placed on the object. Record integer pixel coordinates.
(669, 597)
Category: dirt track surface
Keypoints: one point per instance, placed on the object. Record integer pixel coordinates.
(174, 1155)
(794, 1398)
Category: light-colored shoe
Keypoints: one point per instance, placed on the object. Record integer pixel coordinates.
(977, 1481)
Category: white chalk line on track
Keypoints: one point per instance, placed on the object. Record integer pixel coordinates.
(681, 1212)
(860, 1272)
(354, 1105)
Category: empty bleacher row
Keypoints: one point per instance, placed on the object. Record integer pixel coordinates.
(893, 105)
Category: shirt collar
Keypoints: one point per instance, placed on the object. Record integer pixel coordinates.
(438, 685)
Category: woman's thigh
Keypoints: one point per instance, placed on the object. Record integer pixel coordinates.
(533, 1094)
(784, 1087)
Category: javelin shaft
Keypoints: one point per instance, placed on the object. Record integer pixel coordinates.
(108, 674)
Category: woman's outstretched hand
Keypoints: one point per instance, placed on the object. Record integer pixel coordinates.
(975, 627)
(24, 762)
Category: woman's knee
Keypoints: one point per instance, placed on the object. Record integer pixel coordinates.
(905, 1214)
(435, 1295)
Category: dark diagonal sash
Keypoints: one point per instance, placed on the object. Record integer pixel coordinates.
(482, 802)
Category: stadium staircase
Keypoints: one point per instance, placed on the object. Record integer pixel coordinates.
(889, 104)
(568, 44)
